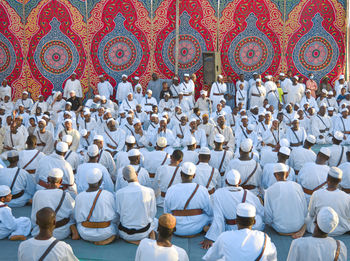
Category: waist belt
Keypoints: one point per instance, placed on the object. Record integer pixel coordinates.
(256, 95)
(31, 171)
(310, 191)
(240, 99)
(346, 190)
(295, 144)
(231, 222)
(211, 191)
(323, 131)
(43, 184)
(18, 195)
(62, 222)
(90, 224)
(218, 94)
(132, 231)
(152, 175)
(249, 187)
(65, 186)
(187, 212)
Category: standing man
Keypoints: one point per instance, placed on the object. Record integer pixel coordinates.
(311, 85)
(73, 84)
(123, 89)
(104, 87)
(155, 86)
(217, 91)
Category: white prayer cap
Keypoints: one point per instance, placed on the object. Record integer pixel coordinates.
(261, 113)
(345, 110)
(12, 154)
(330, 108)
(219, 138)
(284, 151)
(204, 151)
(72, 91)
(124, 76)
(136, 120)
(166, 94)
(246, 210)
(162, 142)
(25, 92)
(269, 77)
(137, 78)
(43, 121)
(110, 120)
(246, 145)
(56, 173)
(98, 137)
(308, 91)
(98, 96)
(233, 177)
(149, 91)
(335, 173)
(251, 127)
(186, 75)
(67, 138)
(280, 167)
(176, 78)
(100, 76)
(297, 104)
(93, 175)
(244, 117)
(134, 152)
(222, 115)
(220, 76)
(103, 98)
(222, 100)
(341, 77)
(325, 151)
(193, 120)
(191, 141)
(46, 116)
(327, 219)
(93, 150)
(324, 91)
(282, 74)
(62, 147)
(284, 142)
(338, 135)
(164, 113)
(154, 115)
(130, 139)
(4, 190)
(83, 132)
(178, 106)
(204, 92)
(255, 73)
(258, 80)
(2, 107)
(188, 168)
(164, 119)
(296, 77)
(69, 103)
(330, 93)
(129, 173)
(311, 138)
(323, 105)
(21, 105)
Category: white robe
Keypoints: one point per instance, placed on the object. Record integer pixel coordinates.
(338, 155)
(122, 91)
(46, 138)
(114, 138)
(218, 88)
(300, 156)
(268, 177)
(27, 156)
(105, 89)
(142, 176)
(203, 173)
(72, 86)
(163, 178)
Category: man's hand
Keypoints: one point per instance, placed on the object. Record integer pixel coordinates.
(206, 243)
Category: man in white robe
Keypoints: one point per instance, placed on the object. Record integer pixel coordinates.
(148, 102)
(114, 139)
(68, 130)
(104, 157)
(138, 222)
(30, 157)
(338, 152)
(343, 124)
(61, 202)
(189, 203)
(73, 84)
(5, 89)
(224, 130)
(45, 142)
(271, 91)
(104, 87)
(71, 157)
(295, 91)
(249, 244)
(296, 134)
(257, 94)
(301, 155)
(204, 103)
(123, 89)
(14, 139)
(197, 133)
(322, 126)
(95, 212)
(129, 103)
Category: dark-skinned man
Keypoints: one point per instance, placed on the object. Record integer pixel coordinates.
(224, 130)
(301, 155)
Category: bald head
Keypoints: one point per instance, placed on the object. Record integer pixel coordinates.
(46, 218)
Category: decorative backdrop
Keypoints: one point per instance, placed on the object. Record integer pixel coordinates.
(42, 42)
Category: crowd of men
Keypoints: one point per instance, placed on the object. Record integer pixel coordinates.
(98, 169)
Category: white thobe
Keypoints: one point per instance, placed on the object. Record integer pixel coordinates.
(188, 88)
(199, 135)
(248, 246)
(89, 126)
(300, 156)
(228, 135)
(285, 206)
(312, 175)
(104, 211)
(46, 138)
(51, 198)
(148, 249)
(142, 176)
(28, 103)
(176, 198)
(105, 158)
(122, 91)
(272, 93)
(295, 93)
(217, 156)
(24, 182)
(72, 86)
(241, 97)
(147, 103)
(33, 249)
(321, 126)
(297, 136)
(27, 160)
(345, 182)
(82, 172)
(339, 201)
(5, 91)
(313, 248)
(343, 125)
(105, 89)
(11, 226)
(114, 138)
(15, 140)
(190, 156)
(312, 102)
(204, 105)
(138, 96)
(203, 174)
(76, 138)
(142, 212)
(43, 105)
(47, 163)
(245, 168)
(164, 180)
(128, 105)
(286, 84)
(217, 88)
(257, 96)
(169, 105)
(73, 159)
(225, 201)
(337, 156)
(268, 177)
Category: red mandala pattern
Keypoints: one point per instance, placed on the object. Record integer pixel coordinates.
(56, 57)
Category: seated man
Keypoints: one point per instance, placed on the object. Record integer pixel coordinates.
(248, 244)
(319, 246)
(63, 203)
(136, 222)
(11, 227)
(225, 202)
(30, 157)
(161, 249)
(189, 203)
(96, 218)
(285, 203)
(44, 246)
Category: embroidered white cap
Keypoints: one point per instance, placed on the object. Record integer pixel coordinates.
(284, 151)
(327, 219)
(98, 137)
(233, 177)
(338, 135)
(93, 176)
(130, 139)
(62, 147)
(325, 151)
(188, 168)
(311, 138)
(204, 151)
(93, 150)
(67, 138)
(191, 141)
(12, 154)
(246, 145)
(56, 173)
(83, 132)
(134, 152)
(280, 167)
(162, 142)
(4, 190)
(246, 210)
(219, 138)
(335, 173)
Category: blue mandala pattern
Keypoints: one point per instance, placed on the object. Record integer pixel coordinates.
(56, 68)
(191, 46)
(7, 57)
(119, 51)
(316, 51)
(251, 50)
